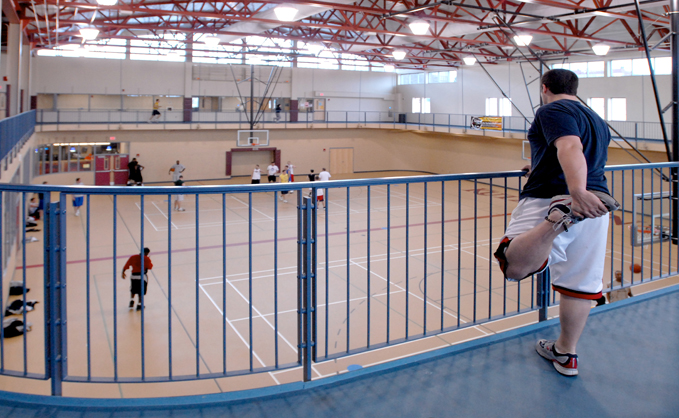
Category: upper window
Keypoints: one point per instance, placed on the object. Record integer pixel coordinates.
(427, 78)
(498, 106)
(639, 66)
(421, 105)
(617, 108)
(584, 69)
(597, 104)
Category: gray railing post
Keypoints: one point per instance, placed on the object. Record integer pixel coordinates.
(55, 293)
(306, 288)
(543, 294)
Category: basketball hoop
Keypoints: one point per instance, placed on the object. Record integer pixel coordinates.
(644, 234)
(254, 142)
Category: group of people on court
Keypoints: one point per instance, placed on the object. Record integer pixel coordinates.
(287, 175)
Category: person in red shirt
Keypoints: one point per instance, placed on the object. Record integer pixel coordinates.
(135, 279)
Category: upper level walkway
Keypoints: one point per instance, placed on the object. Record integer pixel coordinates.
(628, 368)
(510, 126)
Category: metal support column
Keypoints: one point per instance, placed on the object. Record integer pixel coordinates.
(55, 265)
(306, 288)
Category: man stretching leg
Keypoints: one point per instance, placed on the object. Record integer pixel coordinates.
(561, 220)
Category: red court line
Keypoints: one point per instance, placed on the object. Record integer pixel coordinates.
(237, 244)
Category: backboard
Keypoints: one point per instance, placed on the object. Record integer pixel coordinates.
(253, 138)
(651, 218)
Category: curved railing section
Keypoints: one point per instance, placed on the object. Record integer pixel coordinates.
(263, 278)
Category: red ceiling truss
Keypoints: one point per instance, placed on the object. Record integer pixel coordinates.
(369, 28)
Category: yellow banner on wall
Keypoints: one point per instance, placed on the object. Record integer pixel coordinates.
(486, 122)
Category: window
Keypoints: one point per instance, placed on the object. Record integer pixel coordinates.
(442, 77)
(498, 107)
(617, 108)
(414, 78)
(584, 69)
(639, 66)
(597, 104)
(421, 105)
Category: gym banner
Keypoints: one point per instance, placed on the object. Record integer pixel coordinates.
(486, 122)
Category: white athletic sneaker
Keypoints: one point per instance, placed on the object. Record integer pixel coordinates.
(77, 212)
(566, 364)
(181, 210)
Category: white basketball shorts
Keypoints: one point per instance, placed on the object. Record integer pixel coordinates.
(576, 263)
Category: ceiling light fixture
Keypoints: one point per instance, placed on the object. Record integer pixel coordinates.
(522, 40)
(389, 68)
(210, 40)
(601, 49)
(419, 27)
(107, 2)
(89, 33)
(399, 54)
(285, 13)
(469, 60)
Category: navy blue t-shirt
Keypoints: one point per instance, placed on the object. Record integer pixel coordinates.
(555, 120)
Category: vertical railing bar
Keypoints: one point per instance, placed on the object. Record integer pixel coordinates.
(634, 226)
(250, 276)
(504, 282)
(169, 285)
(426, 246)
(389, 267)
(2, 290)
(643, 228)
(275, 276)
(443, 248)
(476, 190)
(115, 297)
(197, 284)
(63, 350)
(326, 196)
(459, 249)
(659, 226)
(223, 282)
(490, 250)
(407, 255)
(87, 279)
(23, 275)
(622, 233)
(348, 269)
(368, 274)
(143, 289)
(612, 261)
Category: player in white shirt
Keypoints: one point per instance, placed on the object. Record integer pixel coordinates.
(324, 175)
(176, 171)
(256, 175)
(272, 170)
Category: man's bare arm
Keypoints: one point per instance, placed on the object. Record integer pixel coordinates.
(574, 166)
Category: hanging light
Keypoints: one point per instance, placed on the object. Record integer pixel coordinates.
(419, 27)
(522, 40)
(469, 60)
(601, 49)
(389, 68)
(89, 33)
(210, 40)
(107, 2)
(399, 54)
(285, 13)
(70, 47)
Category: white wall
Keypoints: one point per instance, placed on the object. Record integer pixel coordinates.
(468, 95)
(90, 76)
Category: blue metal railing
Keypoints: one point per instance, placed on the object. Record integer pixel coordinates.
(245, 282)
(15, 131)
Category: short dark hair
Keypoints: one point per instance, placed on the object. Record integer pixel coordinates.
(146, 251)
(560, 81)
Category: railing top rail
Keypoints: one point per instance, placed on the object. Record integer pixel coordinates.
(19, 115)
